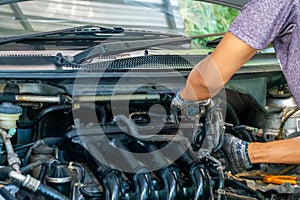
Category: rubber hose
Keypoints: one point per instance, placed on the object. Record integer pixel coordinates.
(31, 166)
(50, 193)
(43, 172)
(48, 141)
(28, 154)
(95, 195)
(44, 112)
(4, 172)
(6, 194)
(232, 114)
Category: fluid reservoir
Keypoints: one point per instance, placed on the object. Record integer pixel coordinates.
(9, 114)
(288, 120)
(284, 124)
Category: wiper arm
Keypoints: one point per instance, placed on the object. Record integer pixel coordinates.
(114, 48)
(80, 30)
(117, 48)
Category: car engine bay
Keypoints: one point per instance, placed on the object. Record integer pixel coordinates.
(110, 134)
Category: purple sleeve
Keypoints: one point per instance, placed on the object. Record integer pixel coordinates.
(260, 21)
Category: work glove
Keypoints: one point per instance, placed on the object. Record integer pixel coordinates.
(207, 123)
(188, 111)
(236, 151)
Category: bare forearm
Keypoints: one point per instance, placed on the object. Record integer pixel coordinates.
(209, 76)
(282, 151)
(203, 82)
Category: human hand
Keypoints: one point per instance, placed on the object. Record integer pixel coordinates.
(188, 111)
(206, 119)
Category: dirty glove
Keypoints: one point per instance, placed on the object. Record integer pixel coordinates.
(187, 110)
(236, 151)
(207, 133)
(189, 113)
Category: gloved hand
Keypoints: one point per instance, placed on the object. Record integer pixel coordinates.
(188, 111)
(236, 151)
(207, 132)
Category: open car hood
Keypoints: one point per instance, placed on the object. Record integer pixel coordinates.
(232, 3)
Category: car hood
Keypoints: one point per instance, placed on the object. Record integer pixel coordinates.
(232, 3)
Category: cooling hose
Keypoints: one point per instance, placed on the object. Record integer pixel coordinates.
(42, 114)
(50, 193)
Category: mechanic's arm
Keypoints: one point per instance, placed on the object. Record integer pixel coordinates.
(210, 75)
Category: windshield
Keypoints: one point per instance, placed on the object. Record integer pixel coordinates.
(183, 16)
(46, 15)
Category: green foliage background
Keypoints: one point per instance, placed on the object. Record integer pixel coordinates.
(204, 18)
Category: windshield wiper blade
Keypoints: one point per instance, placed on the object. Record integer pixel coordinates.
(80, 30)
(88, 32)
(114, 48)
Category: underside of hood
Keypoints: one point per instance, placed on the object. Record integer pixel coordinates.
(232, 3)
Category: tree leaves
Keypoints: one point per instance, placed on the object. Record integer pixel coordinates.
(204, 18)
